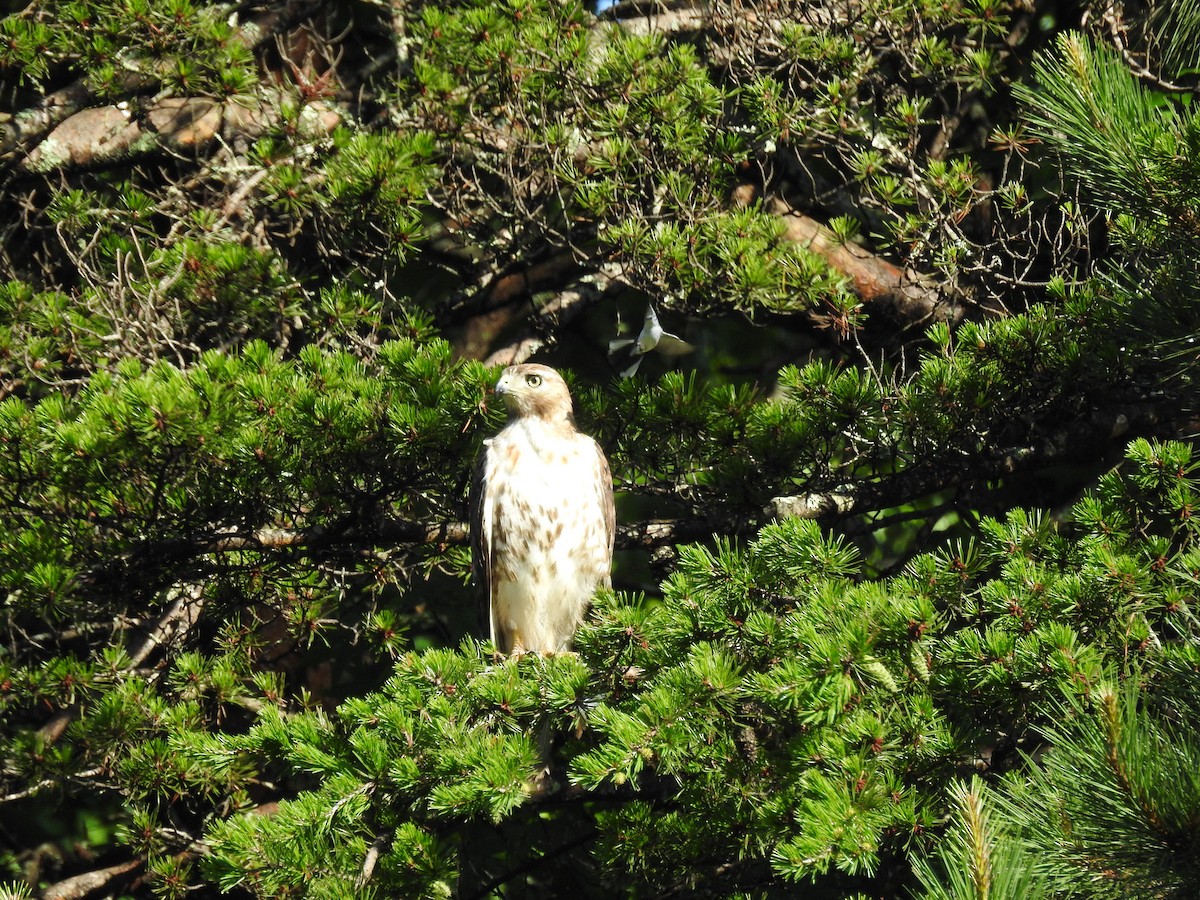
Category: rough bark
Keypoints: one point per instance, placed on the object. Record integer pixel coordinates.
(20, 135)
(89, 883)
(904, 296)
(187, 125)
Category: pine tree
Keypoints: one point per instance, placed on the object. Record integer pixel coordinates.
(908, 544)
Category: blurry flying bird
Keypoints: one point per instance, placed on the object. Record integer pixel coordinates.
(627, 353)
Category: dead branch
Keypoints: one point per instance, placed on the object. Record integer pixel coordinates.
(177, 619)
(559, 310)
(658, 17)
(904, 295)
(502, 300)
(112, 134)
(1113, 17)
(79, 886)
(29, 126)
(48, 783)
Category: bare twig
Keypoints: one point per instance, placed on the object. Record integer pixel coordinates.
(80, 886)
(369, 862)
(35, 789)
(1117, 29)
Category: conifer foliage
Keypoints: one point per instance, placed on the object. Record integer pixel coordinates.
(909, 545)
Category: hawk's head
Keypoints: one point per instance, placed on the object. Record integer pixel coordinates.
(533, 390)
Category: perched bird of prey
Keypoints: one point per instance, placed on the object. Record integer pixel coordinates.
(627, 353)
(542, 520)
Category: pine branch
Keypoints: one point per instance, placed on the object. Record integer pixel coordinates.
(1112, 725)
(977, 859)
(836, 504)
(1113, 132)
(1113, 800)
(1117, 30)
(29, 126)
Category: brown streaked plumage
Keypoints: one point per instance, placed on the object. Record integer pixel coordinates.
(542, 518)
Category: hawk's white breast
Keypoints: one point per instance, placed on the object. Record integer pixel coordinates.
(544, 516)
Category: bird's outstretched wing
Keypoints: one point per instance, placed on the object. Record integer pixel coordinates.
(670, 345)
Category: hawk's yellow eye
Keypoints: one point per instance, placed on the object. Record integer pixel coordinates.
(533, 380)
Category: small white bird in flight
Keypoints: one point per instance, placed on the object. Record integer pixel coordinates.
(651, 337)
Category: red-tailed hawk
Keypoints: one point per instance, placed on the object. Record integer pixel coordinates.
(542, 519)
